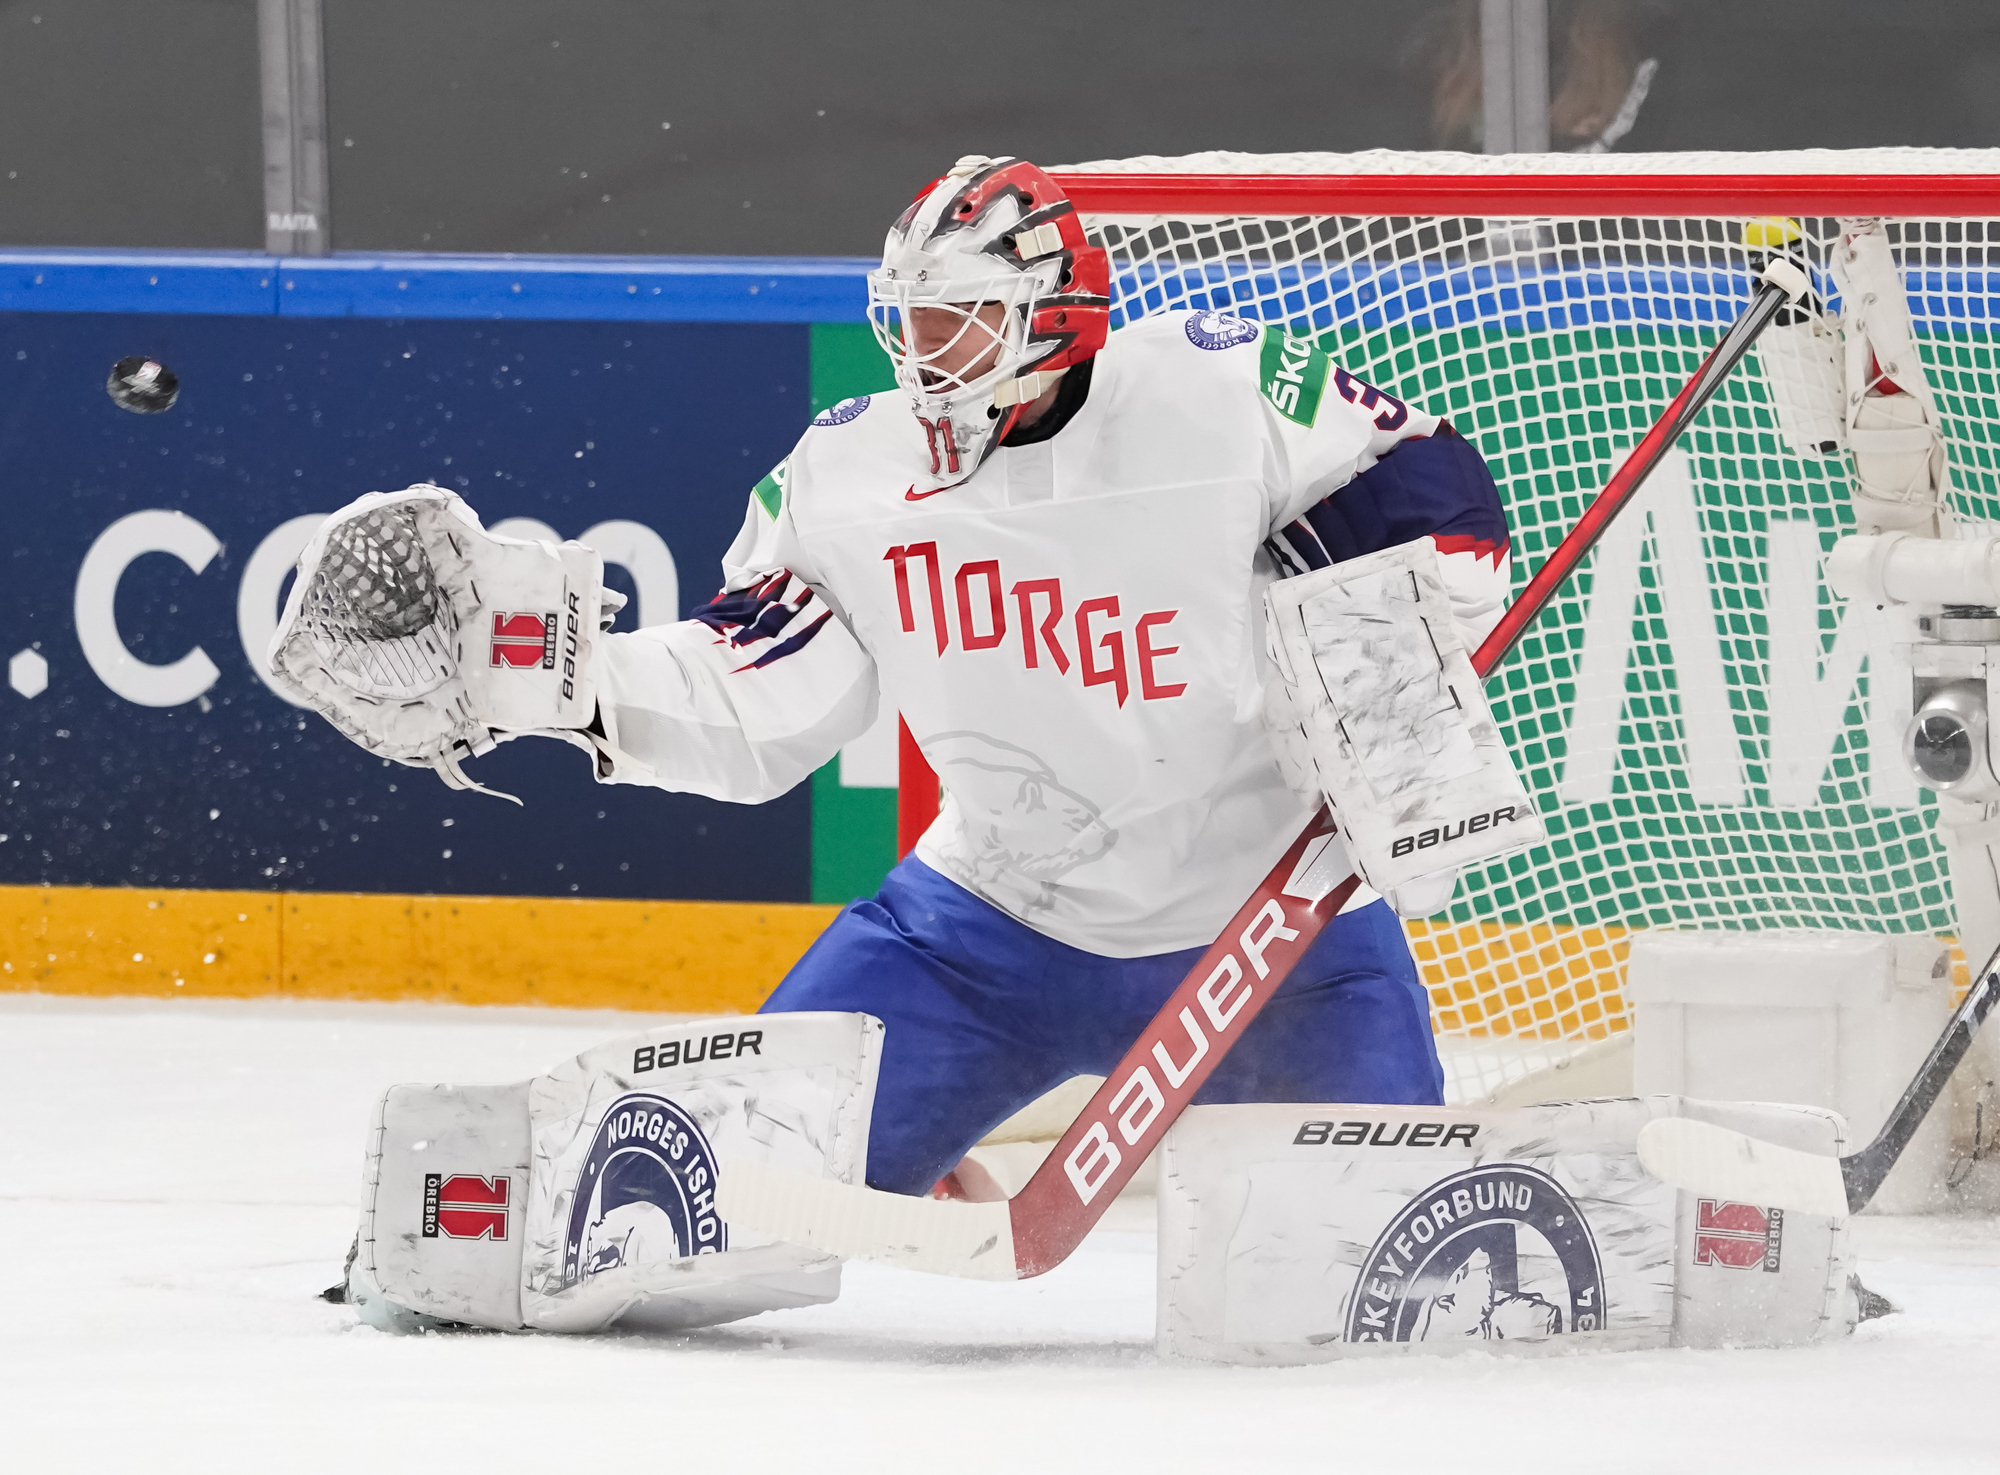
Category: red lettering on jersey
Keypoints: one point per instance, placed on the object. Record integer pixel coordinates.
(1024, 594)
(989, 570)
(900, 558)
(1114, 642)
(1142, 641)
(1100, 643)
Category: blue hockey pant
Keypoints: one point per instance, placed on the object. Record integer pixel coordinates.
(984, 1014)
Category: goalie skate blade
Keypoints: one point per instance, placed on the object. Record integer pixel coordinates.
(1718, 1163)
(975, 1241)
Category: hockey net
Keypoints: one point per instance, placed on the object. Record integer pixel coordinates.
(1693, 714)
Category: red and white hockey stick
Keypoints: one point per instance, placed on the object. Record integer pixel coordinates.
(1038, 1228)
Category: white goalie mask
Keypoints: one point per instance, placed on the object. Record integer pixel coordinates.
(986, 294)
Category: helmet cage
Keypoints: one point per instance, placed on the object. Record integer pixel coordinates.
(991, 233)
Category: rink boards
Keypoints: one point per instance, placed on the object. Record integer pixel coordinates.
(156, 789)
(604, 394)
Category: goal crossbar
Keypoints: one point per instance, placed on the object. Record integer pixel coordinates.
(1579, 195)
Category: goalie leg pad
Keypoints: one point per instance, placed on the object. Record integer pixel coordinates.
(1297, 1234)
(585, 1197)
(1394, 719)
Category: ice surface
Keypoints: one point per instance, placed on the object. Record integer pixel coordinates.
(179, 1182)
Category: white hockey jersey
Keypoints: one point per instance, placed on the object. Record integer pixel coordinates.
(1073, 633)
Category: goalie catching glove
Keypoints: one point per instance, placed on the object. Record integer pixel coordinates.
(428, 640)
(1377, 707)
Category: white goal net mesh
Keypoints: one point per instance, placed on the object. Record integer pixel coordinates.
(1695, 715)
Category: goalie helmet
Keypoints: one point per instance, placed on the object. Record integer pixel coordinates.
(993, 256)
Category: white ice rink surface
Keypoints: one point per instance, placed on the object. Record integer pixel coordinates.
(180, 1182)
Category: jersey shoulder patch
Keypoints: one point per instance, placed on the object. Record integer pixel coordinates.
(769, 493)
(1292, 375)
(1218, 330)
(844, 411)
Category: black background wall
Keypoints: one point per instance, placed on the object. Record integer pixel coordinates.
(799, 126)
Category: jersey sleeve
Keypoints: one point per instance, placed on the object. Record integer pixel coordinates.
(1324, 425)
(1438, 487)
(758, 688)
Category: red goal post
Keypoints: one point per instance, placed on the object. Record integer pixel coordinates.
(1549, 305)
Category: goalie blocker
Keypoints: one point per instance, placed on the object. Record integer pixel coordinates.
(585, 1198)
(1296, 1234)
(1378, 703)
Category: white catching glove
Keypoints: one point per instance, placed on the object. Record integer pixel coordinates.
(428, 640)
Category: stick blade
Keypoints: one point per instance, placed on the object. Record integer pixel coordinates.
(975, 1241)
(1703, 1158)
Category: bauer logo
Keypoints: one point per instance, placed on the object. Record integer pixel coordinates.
(693, 1052)
(1218, 330)
(841, 413)
(646, 1192)
(1738, 1236)
(1497, 1252)
(465, 1206)
(1444, 834)
(1377, 1134)
(525, 641)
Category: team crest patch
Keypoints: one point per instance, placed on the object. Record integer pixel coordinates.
(646, 1191)
(1218, 330)
(841, 413)
(1497, 1252)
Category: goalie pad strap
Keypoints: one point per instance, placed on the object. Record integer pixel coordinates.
(1903, 440)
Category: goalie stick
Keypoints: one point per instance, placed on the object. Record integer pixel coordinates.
(1036, 1230)
(1717, 1162)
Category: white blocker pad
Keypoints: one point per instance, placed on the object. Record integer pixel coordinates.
(1394, 719)
(585, 1197)
(1296, 1234)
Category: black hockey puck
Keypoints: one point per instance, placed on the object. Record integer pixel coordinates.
(142, 385)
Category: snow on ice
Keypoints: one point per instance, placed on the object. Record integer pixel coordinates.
(181, 1181)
